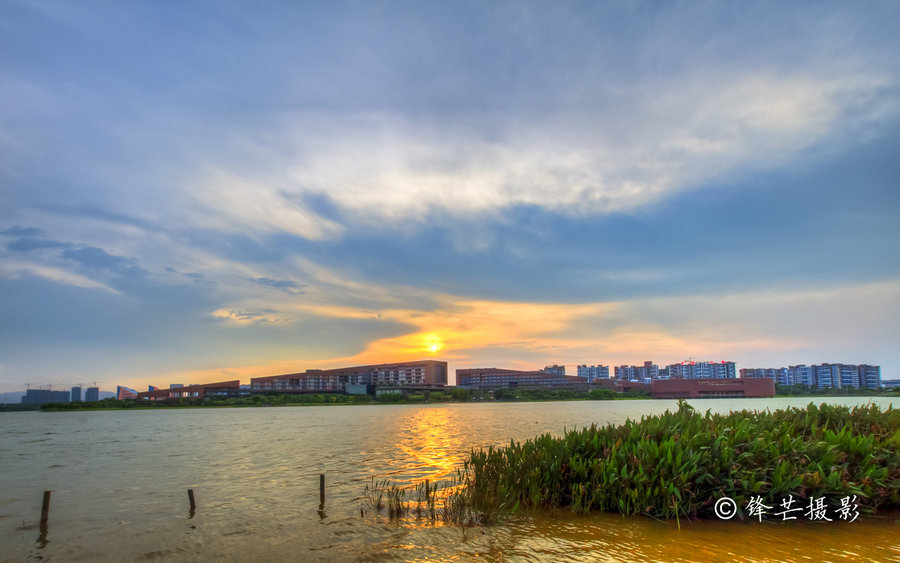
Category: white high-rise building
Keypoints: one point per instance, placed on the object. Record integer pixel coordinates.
(591, 373)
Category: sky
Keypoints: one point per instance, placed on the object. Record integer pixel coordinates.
(203, 191)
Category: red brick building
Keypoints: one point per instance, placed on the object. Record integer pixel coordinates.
(712, 388)
(620, 386)
(200, 391)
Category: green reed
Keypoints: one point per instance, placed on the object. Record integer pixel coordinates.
(679, 463)
(673, 465)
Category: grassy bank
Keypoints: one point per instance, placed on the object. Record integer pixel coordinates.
(676, 465)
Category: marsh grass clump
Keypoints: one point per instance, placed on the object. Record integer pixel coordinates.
(678, 464)
(381, 495)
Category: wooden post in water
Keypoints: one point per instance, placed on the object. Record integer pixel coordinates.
(191, 499)
(321, 491)
(45, 510)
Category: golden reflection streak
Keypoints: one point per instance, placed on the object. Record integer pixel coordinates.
(430, 444)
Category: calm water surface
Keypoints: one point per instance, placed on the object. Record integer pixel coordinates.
(119, 482)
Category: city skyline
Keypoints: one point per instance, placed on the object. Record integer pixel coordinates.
(213, 191)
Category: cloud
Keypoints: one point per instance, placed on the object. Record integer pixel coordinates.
(241, 317)
(15, 270)
(17, 231)
(97, 258)
(758, 327)
(523, 116)
(286, 286)
(226, 201)
(422, 172)
(28, 239)
(31, 244)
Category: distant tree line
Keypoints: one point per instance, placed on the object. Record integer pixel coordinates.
(12, 407)
(456, 395)
(802, 389)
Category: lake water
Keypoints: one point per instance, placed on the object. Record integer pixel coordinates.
(119, 482)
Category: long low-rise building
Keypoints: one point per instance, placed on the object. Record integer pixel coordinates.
(422, 374)
(620, 386)
(712, 388)
(200, 391)
(497, 378)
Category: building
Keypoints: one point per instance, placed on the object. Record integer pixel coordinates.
(849, 376)
(555, 369)
(59, 396)
(647, 372)
(821, 376)
(221, 389)
(712, 388)
(76, 394)
(498, 378)
(41, 396)
(592, 373)
(802, 375)
(36, 397)
(827, 375)
(417, 375)
(782, 376)
(619, 386)
(624, 373)
(703, 370)
(123, 393)
(869, 376)
(92, 394)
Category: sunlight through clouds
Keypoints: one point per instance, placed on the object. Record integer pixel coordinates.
(296, 185)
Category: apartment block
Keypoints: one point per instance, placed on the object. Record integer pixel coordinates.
(869, 376)
(555, 369)
(781, 376)
(802, 375)
(703, 370)
(593, 373)
(821, 376)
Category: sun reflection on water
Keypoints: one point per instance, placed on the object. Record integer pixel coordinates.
(430, 441)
